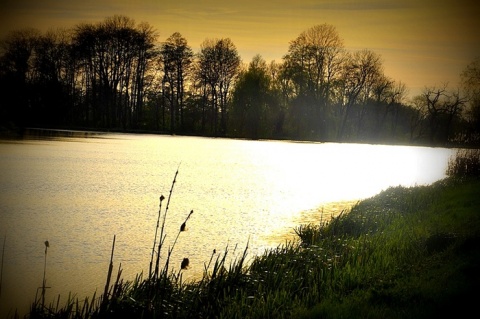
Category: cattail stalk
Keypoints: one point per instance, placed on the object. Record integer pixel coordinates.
(109, 276)
(156, 231)
(44, 283)
(182, 228)
(162, 229)
(207, 266)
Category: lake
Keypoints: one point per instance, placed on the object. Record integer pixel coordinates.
(78, 192)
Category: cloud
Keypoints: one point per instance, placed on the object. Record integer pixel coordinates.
(355, 5)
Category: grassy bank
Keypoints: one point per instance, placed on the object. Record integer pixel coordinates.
(405, 253)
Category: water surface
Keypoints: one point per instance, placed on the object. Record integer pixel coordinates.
(78, 193)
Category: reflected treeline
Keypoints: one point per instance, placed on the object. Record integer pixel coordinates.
(115, 75)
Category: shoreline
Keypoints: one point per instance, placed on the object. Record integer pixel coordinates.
(39, 133)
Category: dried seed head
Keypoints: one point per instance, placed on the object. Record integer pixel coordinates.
(185, 263)
(47, 244)
(162, 198)
(183, 227)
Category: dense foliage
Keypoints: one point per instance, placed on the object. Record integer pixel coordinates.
(115, 75)
(466, 164)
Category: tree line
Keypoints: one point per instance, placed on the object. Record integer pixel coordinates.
(115, 75)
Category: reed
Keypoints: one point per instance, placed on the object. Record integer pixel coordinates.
(109, 276)
(155, 238)
(185, 261)
(162, 229)
(38, 308)
(44, 281)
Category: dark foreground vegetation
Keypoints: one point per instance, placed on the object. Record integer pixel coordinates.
(118, 75)
(405, 253)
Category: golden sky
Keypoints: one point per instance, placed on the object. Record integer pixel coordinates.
(422, 42)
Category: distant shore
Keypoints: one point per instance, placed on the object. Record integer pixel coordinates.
(40, 133)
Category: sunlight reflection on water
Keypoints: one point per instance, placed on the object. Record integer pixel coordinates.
(78, 193)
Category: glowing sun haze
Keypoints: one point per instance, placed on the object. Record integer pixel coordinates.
(422, 43)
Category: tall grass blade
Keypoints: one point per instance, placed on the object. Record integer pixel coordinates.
(170, 250)
(109, 276)
(156, 231)
(44, 282)
(162, 229)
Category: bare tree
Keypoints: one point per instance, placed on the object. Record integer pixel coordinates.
(443, 108)
(218, 67)
(360, 71)
(316, 55)
(114, 56)
(177, 58)
(387, 95)
(312, 63)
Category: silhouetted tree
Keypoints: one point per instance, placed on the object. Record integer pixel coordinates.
(177, 57)
(114, 57)
(254, 111)
(418, 118)
(313, 62)
(54, 79)
(218, 66)
(282, 94)
(111, 74)
(387, 97)
(360, 71)
(16, 76)
(443, 108)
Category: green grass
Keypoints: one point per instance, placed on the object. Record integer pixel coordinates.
(405, 253)
(422, 263)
